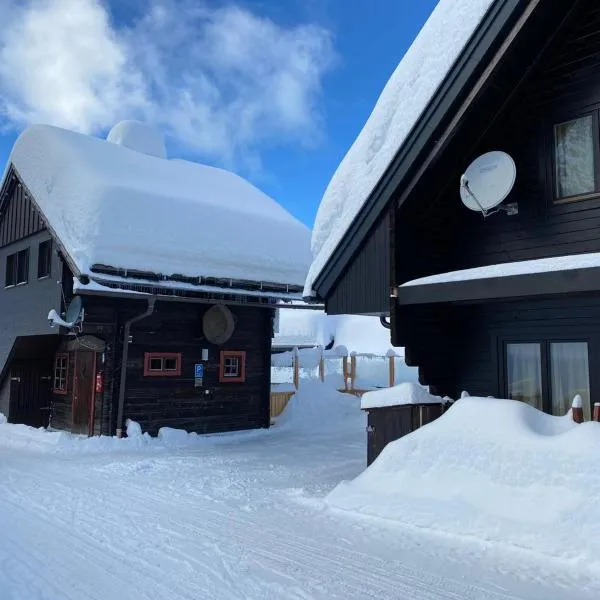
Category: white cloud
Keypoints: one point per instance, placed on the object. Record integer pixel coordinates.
(223, 81)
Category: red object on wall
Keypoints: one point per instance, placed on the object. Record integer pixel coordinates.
(99, 382)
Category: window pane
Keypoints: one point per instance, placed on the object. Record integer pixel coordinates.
(524, 373)
(44, 258)
(170, 364)
(22, 266)
(11, 273)
(156, 364)
(574, 154)
(570, 376)
(232, 366)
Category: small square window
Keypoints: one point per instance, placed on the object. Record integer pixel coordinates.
(162, 364)
(170, 364)
(156, 364)
(61, 369)
(44, 259)
(232, 366)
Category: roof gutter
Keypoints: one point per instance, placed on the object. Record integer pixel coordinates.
(124, 356)
(416, 144)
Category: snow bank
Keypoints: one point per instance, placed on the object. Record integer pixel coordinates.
(114, 206)
(498, 470)
(405, 96)
(319, 407)
(405, 393)
(2, 419)
(62, 442)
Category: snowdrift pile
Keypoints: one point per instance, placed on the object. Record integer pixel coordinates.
(319, 407)
(62, 442)
(498, 470)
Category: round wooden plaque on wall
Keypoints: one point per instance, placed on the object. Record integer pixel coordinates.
(218, 324)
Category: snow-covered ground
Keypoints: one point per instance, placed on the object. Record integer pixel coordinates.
(238, 516)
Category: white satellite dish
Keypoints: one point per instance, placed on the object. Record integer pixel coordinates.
(488, 181)
(72, 316)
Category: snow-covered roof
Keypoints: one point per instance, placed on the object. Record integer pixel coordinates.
(404, 98)
(132, 209)
(358, 333)
(524, 267)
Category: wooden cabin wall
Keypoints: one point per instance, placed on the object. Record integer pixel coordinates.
(174, 401)
(436, 233)
(156, 402)
(473, 361)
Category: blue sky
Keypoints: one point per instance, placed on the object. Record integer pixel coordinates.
(275, 90)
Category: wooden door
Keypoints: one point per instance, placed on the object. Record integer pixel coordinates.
(83, 391)
(31, 392)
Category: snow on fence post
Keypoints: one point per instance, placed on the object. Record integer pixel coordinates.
(352, 370)
(296, 367)
(321, 365)
(391, 355)
(596, 415)
(577, 409)
(345, 371)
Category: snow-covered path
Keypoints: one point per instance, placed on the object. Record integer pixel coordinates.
(237, 517)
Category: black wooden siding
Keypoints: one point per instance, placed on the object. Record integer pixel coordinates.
(456, 347)
(436, 233)
(462, 348)
(157, 402)
(19, 217)
(364, 288)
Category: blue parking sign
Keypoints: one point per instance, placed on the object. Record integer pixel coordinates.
(198, 370)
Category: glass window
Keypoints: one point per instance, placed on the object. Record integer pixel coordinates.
(61, 366)
(23, 266)
(157, 364)
(233, 366)
(11, 270)
(524, 373)
(574, 157)
(170, 364)
(570, 376)
(45, 258)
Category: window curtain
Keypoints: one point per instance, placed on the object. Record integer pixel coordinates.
(570, 376)
(524, 370)
(574, 155)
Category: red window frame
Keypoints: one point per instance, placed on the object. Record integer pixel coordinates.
(241, 376)
(64, 390)
(148, 372)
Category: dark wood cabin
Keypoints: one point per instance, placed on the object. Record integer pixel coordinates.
(194, 356)
(527, 83)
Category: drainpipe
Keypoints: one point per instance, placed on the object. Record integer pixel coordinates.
(383, 320)
(126, 330)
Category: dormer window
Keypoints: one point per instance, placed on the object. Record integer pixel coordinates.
(575, 158)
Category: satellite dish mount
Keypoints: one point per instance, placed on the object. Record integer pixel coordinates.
(487, 182)
(73, 317)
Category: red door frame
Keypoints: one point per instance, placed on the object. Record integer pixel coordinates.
(74, 396)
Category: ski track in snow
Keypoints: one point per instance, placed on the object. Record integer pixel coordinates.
(243, 520)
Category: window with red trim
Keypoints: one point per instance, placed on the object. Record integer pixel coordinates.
(232, 366)
(61, 372)
(162, 364)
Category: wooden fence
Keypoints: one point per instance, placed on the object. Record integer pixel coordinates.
(318, 359)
